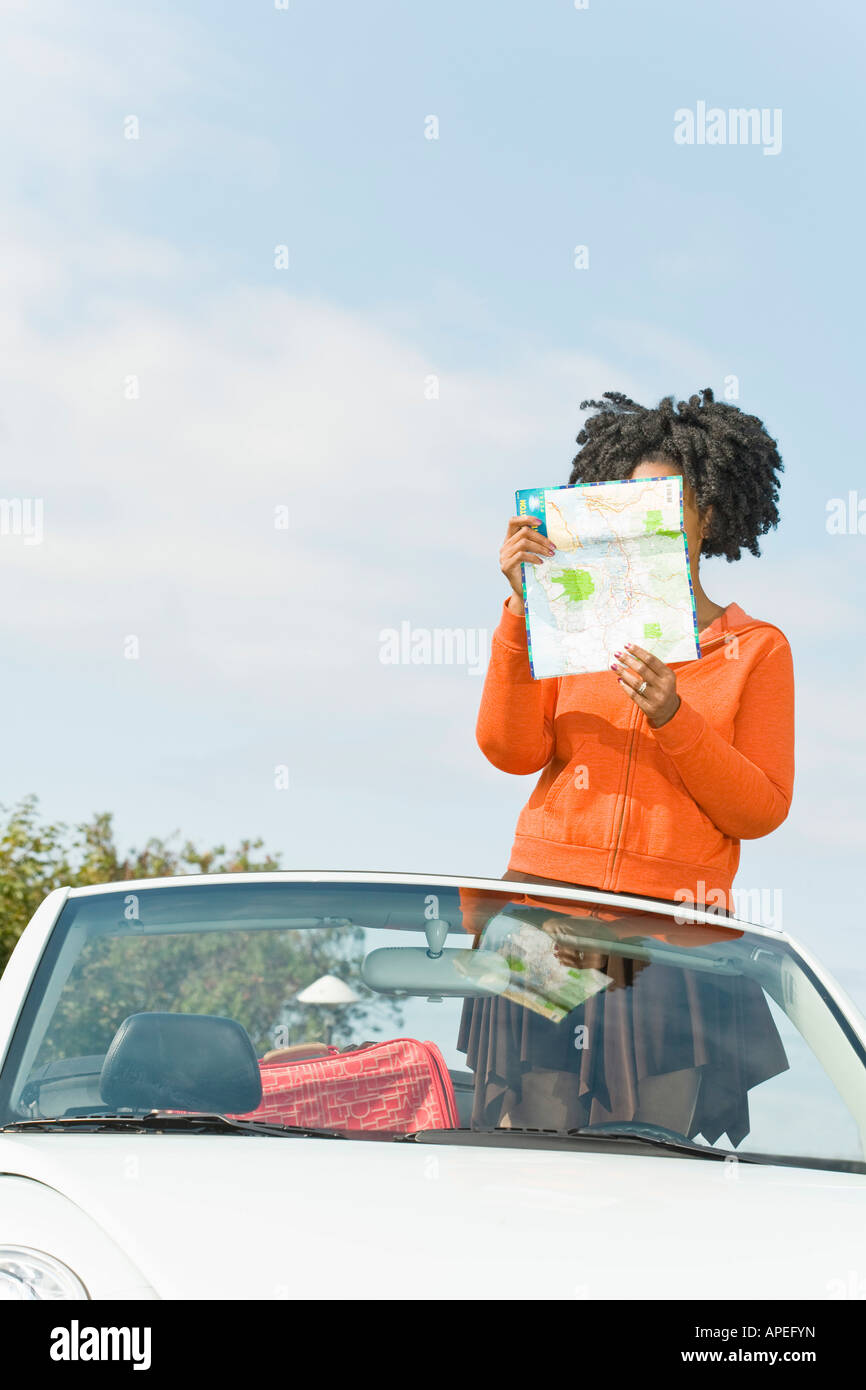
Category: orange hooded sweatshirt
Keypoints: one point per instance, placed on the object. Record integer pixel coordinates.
(622, 806)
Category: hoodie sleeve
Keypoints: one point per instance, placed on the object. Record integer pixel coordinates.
(744, 787)
(515, 721)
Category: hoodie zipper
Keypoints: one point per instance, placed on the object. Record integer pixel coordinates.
(637, 714)
(637, 717)
(717, 640)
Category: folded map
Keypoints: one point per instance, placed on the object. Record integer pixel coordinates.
(620, 574)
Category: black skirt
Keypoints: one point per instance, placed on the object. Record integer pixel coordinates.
(651, 1020)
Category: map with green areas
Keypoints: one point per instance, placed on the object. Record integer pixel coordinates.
(577, 584)
(620, 574)
(536, 979)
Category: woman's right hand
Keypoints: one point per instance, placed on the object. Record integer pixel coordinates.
(522, 545)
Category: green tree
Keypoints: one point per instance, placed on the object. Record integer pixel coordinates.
(36, 857)
(247, 975)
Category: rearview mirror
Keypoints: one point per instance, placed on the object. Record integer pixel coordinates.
(412, 970)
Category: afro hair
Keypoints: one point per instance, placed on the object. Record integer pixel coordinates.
(727, 457)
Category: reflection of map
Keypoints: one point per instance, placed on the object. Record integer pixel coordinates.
(535, 977)
(620, 574)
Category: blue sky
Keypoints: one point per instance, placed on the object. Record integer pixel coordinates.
(152, 260)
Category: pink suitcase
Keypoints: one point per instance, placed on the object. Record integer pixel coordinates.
(398, 1085)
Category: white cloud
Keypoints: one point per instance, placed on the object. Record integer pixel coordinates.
(257, 643)
(159, 510)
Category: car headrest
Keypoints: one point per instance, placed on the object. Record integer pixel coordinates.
(181, 1062)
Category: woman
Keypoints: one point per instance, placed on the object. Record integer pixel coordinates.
(651, 775)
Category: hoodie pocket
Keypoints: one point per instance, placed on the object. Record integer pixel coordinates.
(582, 810)
(667, 823)
(556, 788)
(561, 781)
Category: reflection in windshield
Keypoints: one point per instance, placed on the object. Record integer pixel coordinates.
(391, 1008)
(658, 1044)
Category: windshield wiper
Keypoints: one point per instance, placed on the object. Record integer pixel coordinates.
(657, 1141)
(576, 1138)
(165, 1121)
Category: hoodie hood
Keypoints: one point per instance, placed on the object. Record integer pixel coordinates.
(734, 619)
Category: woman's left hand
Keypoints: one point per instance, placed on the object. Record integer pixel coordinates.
(659, 699)
(577, 960)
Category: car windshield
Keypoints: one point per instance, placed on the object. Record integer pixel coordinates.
(456, 1013)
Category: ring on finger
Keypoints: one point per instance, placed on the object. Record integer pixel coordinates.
(641, 688)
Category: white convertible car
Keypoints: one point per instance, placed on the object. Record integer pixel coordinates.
(333, 1085)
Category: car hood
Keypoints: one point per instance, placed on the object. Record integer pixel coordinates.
(228, 1217)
